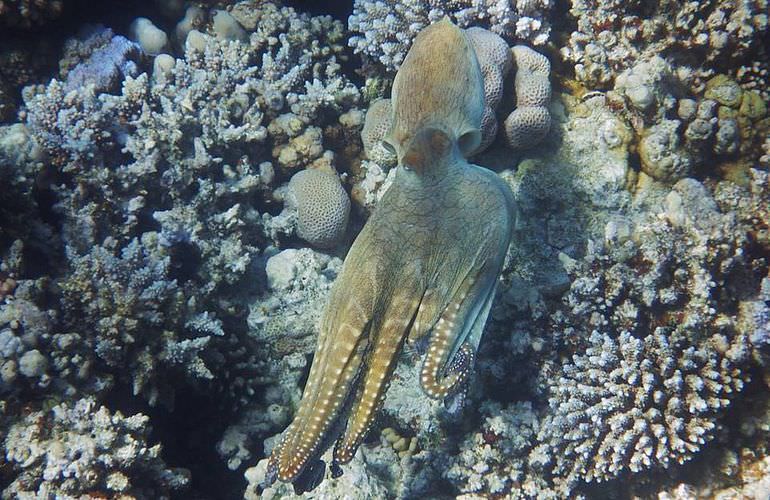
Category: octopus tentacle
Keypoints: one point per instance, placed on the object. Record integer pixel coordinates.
(390, 339)
(454, 339)
(332, 376)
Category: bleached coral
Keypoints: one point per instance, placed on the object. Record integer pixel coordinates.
(83, 449)
(386, 28)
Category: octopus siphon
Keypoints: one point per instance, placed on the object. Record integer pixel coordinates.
(422, 270)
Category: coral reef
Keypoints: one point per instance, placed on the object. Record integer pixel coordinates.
(698, 37)
(82, 449)
(386, 29)
(178, 195)
(681, 132)
(631, 404)
(132, 313)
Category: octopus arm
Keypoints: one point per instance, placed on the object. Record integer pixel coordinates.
(342, 348)
(389, 339)
(455, 336)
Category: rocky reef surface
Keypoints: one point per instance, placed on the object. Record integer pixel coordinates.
(180, 188)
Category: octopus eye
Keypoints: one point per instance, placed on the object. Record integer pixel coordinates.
(389, 147)
(413, 159)
(469, 141)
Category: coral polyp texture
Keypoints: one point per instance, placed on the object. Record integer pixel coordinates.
(247, 251)
(323, 207)
(632, 404)
(384, 30)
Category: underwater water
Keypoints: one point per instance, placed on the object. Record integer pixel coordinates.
(384, 249)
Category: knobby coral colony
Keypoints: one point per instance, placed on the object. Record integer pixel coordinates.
(408, 277)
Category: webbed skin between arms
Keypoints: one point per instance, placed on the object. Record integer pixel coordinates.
(424, 267)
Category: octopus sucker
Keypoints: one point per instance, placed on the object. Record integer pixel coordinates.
(423, 269)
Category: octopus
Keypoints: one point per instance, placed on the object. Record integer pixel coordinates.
(423, 270)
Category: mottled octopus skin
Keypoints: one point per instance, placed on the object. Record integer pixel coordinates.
(425, 264)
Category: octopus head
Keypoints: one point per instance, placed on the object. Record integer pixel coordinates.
(438, 96)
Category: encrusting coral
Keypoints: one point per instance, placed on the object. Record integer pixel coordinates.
(698, 37)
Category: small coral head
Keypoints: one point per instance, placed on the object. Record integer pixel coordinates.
(439, 87)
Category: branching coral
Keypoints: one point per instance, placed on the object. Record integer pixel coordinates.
(387, 28)
(132, 313)
(82, 449)
(632, 404)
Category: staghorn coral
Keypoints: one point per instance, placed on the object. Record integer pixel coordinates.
(386, 29)
(82, 449)
(633, 404)
(212, 131)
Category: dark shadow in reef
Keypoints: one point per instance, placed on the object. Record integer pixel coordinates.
(339, 10)
(188, 434)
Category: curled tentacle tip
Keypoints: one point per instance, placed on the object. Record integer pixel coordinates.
(335, 469)
(309, 478)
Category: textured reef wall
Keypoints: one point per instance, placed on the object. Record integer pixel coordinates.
(179, 193)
